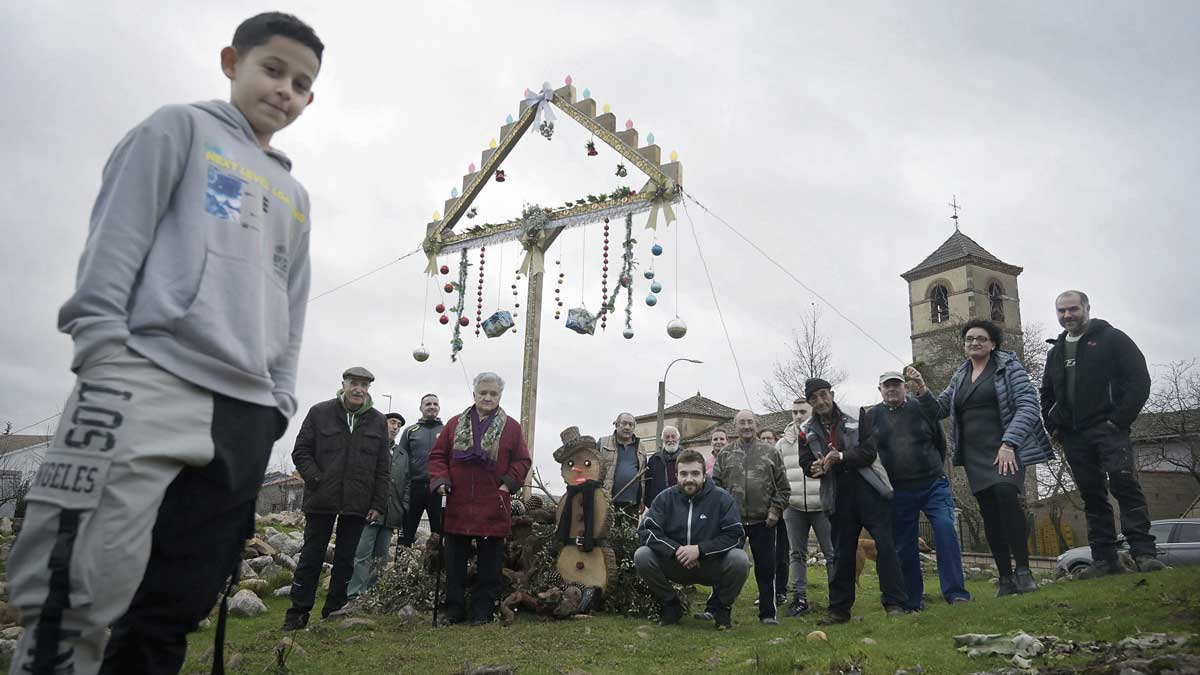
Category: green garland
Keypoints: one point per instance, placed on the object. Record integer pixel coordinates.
(456, 343)
(627, 265)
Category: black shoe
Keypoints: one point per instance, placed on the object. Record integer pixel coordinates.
(295, 621)
(452, 619)
(1101, 568)
(671, 612)
(833, 617)
(1148, 563)
(722, 619)
(481, 621)
(799, 606)
(1025, 581)
(1007, 586)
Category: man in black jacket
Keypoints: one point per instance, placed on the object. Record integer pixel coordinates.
(692, 534)
(417, 441)
(1095, 385)
(341, 453)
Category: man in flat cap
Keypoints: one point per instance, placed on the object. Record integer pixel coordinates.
(342, 454)
(376, 538)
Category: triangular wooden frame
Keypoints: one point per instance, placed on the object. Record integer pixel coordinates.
(664, 184)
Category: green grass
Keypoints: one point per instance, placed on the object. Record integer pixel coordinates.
(1106, 609)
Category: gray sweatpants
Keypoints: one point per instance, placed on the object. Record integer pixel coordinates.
(134, 519)
(725, 572)
(798, 523)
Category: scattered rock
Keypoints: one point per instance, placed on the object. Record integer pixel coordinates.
(355, 622)
(868, 641)
(283, 543)
(818, 636)
(248, 571)
(8, 615)
(234, 661)
(257, 564)
(269, 532)
(643, 634)
(283, 592)
(8, 648)
(287, 647)
(257, 586)
(777, 641)
(354, 638)
(285, 561)
(205, 624)
(12, 633)
(407, 613)
(246, 603)
(1021, 662)
(260, 547)
(271, 571)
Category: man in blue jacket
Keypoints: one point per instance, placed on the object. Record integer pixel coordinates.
(692, 534)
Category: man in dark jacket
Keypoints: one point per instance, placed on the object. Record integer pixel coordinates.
(341, 453)
(660, 467)
(692, 534)
(376, 538)
(856, 493)
(1095, 384)
(417, 441)
(624, 467)
(912, 447)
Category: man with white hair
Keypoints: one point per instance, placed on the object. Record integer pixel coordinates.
(660, 467)
(477, 462)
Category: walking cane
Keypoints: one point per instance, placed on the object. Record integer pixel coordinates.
(437, 590)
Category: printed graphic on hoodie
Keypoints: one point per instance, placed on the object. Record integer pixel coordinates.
(223, 198)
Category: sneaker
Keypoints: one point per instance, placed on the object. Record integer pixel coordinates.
(769, 621)
(703, 616)
(1007, 586)
(799, 606)
(295, 621)
(1025, 581)
(722, 618)
(1148, 563)
(896, 610)
(781, 600)
(756, 602)
(671, 612)
(960, 600)
(1101, 568)
(833, 617)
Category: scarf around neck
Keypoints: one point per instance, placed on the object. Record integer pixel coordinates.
(478, 440)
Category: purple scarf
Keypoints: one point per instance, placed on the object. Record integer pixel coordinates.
(476, 453)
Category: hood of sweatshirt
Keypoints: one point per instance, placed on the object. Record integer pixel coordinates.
(232, 117)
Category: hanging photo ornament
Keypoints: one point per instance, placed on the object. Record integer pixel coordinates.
(498, 324)
(499, 175)
(591, 149)
(421, 354)
(581, 321)
(652, 299)
(622, 171)
(656, 287)
(472, 212)
(677, 328)
(546, 129)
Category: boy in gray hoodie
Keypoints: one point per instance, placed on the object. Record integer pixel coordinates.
(186, 318)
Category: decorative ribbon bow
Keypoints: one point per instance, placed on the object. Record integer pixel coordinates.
(432, 246)
(662, 199)
(541, 100)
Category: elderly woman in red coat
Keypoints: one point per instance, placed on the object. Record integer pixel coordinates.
(477, 462)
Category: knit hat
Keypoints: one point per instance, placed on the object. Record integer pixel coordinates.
(813, 385)
(396, 416)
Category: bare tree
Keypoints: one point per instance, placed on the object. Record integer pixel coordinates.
(809, 355)
(1170, 422)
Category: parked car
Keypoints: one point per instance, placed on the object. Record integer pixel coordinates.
(1177, 541)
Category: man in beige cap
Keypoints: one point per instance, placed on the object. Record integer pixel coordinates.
(342, 455)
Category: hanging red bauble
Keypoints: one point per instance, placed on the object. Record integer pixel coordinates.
(464, 321)
(449, 288)
(499, 175)
(445, 269)
(439, 308)
(444, 319)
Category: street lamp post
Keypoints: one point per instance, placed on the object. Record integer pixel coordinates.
(662, 399)
(389, 398)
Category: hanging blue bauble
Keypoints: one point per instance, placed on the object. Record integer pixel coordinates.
(649, 274)
(656, 249)
(652, 299)
(628, 333)
(656, 287)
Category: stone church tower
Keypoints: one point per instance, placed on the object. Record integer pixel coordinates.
(958, 282)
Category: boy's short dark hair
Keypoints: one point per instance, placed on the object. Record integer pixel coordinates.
(257, 30)
(690, 457)
(995, 334)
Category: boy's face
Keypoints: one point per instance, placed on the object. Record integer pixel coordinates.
(272, 83)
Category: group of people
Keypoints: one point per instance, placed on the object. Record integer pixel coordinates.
(836, 473)
(187, 319)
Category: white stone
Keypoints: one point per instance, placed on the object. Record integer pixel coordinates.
(246, 603)
(285, 561)
(257, 564)
(248, 571)
(283, 591)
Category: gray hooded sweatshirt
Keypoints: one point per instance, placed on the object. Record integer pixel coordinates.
(197, 257)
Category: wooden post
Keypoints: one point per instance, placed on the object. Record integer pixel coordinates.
(533, 335)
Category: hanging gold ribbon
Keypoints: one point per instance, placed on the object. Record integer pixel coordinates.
(662, 200)
(432, 249)
(534, 262)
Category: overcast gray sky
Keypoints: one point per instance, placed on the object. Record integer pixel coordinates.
(832, 135)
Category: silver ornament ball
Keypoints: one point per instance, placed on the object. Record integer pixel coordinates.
(628, 333)
(677, 328)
